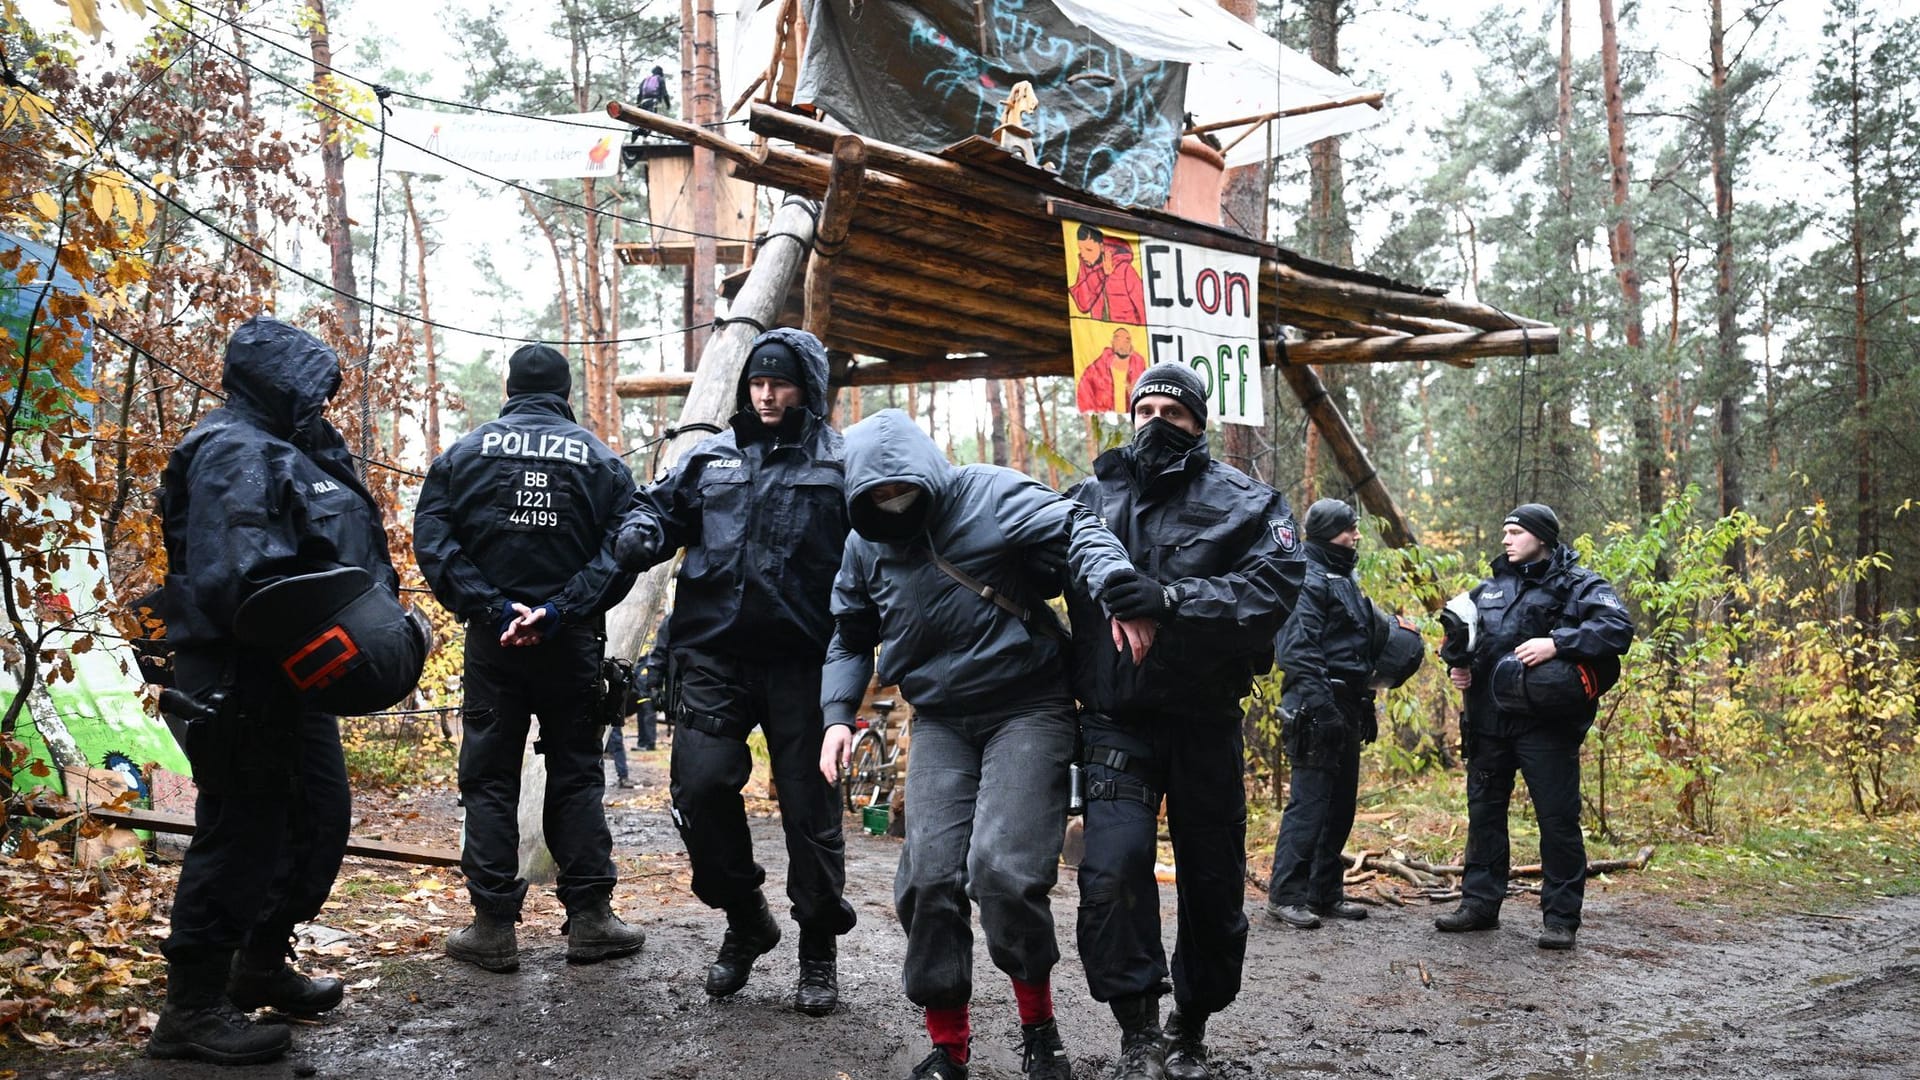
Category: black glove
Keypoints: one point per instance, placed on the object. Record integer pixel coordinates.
(637, 548)
(1047, 568)
(1129, 594)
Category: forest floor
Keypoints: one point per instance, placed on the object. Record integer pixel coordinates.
(1674, 984)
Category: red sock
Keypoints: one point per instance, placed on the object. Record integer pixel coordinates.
(949, 1030)
(1035, 1000)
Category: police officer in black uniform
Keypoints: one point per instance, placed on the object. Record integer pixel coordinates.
(1540, 612)
(1325, 651)
(761, 512)
(515, 532)
(261, 490)
(1218, 566)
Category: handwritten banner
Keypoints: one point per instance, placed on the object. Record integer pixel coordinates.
(510, 147)
(1134, 301)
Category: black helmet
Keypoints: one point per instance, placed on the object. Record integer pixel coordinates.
(1552, 685)
(1397, 651)
(341, 640)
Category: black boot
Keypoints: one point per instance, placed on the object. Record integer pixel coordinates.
(819, 973)
(487, 942)
(1186, 1048)
(1141, 1055)
(1467, 917)
(261, 980)
(595, 933)
(1043, 1056)
(751, 934)
(198, 1023)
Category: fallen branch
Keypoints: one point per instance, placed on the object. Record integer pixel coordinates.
(1393, 897)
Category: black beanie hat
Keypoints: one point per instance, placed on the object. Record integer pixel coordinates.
(1176, 381)
(1328, 518)
(538, 369)
(1538, 519)
(774, 359)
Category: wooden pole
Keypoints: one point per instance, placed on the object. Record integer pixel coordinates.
(710, 396)
(1348, 453)
(847, 176)
(703, 109)
(1447, 348)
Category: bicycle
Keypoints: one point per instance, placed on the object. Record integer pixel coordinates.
(873, 763)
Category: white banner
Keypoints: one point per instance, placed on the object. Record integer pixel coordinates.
(509, 147)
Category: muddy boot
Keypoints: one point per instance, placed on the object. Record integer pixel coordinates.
(198, 1023)
(819, 973)
(751, 934)
(1557, 936)
(595, 933)
(1294, 915)
(1141, 1055)
(938, 1066)
(487, 942)
(1186, 1050)
(1042, 1055)
(262, 980)
(1467, 917)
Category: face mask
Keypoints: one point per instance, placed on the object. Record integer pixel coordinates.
(899, 504)
(1158, 444)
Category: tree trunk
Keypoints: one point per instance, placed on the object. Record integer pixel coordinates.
(700, 90)
(1559, 408)
(432, 419)
(1329, 234)
(1865, 605)
(996, 423)
(333, 166)
(563, 291)
(1625, 268)
(1735, 375)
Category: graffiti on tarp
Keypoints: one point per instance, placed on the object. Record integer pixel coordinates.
(1108, 121)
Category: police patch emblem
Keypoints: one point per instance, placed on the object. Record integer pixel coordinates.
(1285, 534)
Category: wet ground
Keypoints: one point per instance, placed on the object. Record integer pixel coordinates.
(1652, 990)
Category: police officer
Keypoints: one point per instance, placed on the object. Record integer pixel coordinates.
(1325, 651)
(1217, 561)
(941, 576)
(761, 511)
(1539, 614)
(515, 533)
(261, 490)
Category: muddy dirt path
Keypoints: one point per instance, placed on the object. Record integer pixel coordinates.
(1653, 989)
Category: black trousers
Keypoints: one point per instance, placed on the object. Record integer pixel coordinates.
(719, 700)
(1195, 762)
(557, 680)
(1549, 758)
(268, 841)
(1325, 754)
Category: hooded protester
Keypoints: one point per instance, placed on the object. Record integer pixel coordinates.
(941, 574)
(1326, 654)
(761, 512)
(514, 531)
(1217, 565)
(1539, 611)
(262, 490)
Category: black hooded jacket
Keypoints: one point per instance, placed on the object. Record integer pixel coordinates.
(1227, 546)
(262, 488)
(1329, 635)
(524, 508)
(762, 513)
(951, 651)
(1553, 598)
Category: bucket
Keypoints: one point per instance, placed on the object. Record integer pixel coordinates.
(874, 819)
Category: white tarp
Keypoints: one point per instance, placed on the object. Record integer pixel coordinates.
(1236, 70)
(509, 147)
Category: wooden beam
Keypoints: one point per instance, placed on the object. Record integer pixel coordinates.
(958, 368)
(689, 133)
(135, 817)
(1187, 232)
(845, 178)
(654, 384)
(1348, 453)
(1448, 348)
(1360, 303)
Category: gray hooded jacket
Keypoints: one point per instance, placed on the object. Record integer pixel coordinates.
(951, 651)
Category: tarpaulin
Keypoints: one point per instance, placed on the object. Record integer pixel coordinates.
(920, 75)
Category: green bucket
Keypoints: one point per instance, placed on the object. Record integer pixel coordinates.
(874, 819)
